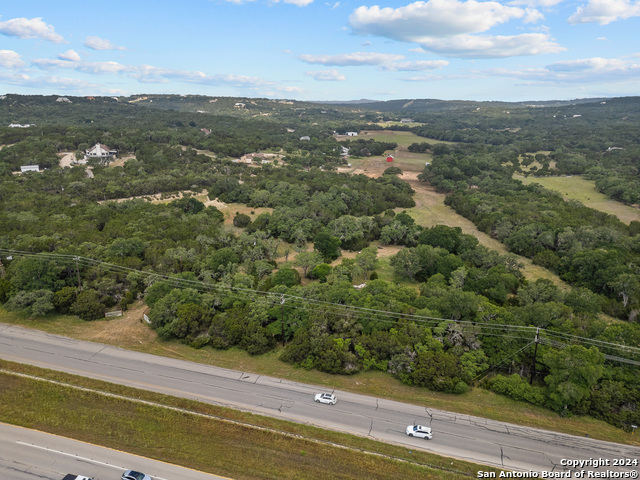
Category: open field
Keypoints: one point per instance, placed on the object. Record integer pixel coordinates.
(584, 191)
(403, 139)
(204, 437)
(132, 332)
(430, 209)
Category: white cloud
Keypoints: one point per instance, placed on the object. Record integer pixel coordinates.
(27, 28)
(450, 27)
(582, 71)
(532, 16)
(97, 43)
(593, 65)
(54, 83)
(351, 59)
(10, 59)
(537, 3)
(70, 55)
(418, 66)
(101, 67)
(326, 75)
(475, 46)
(299, 3)
(434, 18)
(48, 64)
(86, 67)
(604, 12)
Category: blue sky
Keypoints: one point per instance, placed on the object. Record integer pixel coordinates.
(317, 50)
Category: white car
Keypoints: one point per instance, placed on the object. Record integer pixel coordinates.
(133, 475)
(419, 431)
(329, 398)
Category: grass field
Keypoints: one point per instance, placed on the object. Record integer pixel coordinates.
(584, 191)
(403, 139)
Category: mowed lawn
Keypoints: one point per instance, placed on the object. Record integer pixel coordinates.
(584, 191)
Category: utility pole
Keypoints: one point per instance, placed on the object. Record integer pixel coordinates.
(535, 354)
(78, 275)
(2, 274)
(282, 317)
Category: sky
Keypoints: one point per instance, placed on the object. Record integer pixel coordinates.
(518, 50)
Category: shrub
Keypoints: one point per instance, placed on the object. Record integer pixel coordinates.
(241, 220)
(516, 387)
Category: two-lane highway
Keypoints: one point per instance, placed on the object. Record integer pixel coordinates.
(32, 455)
(472, 438)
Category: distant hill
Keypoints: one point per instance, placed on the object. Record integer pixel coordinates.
(435, 105)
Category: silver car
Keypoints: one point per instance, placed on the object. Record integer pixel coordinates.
(328, 398)
(419, 431)
(133, 475)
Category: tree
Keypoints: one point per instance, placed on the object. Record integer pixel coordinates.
(34, 273)
(583, 300)
(573, 371)
(126, 247)
(64, 298)
(221, 258)
(406, 263)
(542, 290)
(188, 205)
(321, 272)
(35, 303)
(241, 220)
(191, 320)
(367, 260)
(348, 229)
(88, 306)
(439, 371)
(627, 287)
(286, 276)
(308, 260)
(328, 245)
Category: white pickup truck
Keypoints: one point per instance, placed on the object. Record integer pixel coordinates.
(71, 476)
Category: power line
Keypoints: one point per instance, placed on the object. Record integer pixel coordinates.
(363, 313)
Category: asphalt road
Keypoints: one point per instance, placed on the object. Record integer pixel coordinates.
(32, 455)
(462, 436)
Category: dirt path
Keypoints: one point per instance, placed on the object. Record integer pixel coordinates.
(66, 159)
(125, 331)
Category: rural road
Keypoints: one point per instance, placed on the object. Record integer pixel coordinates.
(475, 439)
(32, 455)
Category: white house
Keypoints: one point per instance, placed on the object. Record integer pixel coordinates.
(351, 134)
(101, 152)
(306, 138)
(29, 168)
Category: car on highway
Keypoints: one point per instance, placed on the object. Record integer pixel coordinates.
(328, 398)
(419, 431)
(133, 475)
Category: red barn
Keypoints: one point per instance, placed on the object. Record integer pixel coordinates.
(390, 158)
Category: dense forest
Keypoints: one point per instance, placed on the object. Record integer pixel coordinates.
(447, 314)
